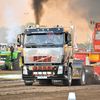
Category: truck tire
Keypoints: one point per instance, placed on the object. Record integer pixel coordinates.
(81, 81)
(4, 68)
(17, 62)
(42, 82)
(28, 83)
(89, 75)
(68, 82)
(10, 67)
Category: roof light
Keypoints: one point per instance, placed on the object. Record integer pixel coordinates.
(60, 26)
(33, 26)
(57, 26)
(29, 26)
(37, 26)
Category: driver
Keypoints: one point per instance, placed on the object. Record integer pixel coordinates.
(58, 38)
(32, 40)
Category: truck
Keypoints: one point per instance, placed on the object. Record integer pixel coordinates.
(48, 56)
(92, 58)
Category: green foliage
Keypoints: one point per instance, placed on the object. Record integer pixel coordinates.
(85, 45)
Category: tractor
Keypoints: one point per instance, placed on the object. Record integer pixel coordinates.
(10, 60)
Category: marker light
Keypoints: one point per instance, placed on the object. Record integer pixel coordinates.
(93, 21)
(90, 21)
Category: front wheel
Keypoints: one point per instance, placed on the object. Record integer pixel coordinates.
(68, 82)
(10, 67)
(28, 83)
(17, 62)
(89, 75)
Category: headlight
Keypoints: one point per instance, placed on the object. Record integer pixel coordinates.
(25, 70)
(60, 70)
(4, 58)
(48, 72)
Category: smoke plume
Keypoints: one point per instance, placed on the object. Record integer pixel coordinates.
(91, 9)
(12, 18)
(37, 6)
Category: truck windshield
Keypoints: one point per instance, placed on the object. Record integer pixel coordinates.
(97, 35)
(48, 38)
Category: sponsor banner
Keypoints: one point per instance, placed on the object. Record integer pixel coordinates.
(93, 57)
(97, 46)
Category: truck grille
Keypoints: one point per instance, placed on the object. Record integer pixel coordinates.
(43, 70)
(42, 67)
(42, 59)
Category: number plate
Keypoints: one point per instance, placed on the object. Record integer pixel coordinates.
(41, 77)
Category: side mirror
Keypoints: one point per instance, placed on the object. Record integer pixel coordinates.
(18, 45)
(69, 43)
(68, 37)
(19, 40)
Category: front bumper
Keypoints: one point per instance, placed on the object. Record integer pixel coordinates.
(56, 77)
(2, 63)
(54, 73)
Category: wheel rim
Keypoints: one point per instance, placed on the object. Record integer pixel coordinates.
(20, 61)
(11, 67)
(70, 76)
(83, 77)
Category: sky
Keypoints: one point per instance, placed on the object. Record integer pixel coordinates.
(77, 13)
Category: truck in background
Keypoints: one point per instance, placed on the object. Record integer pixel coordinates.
(92, 58)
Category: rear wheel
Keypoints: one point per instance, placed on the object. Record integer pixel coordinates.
(80, 81)
(28, 83)
(10, 67)
(67, 82)
(17, 62)
(89, 75)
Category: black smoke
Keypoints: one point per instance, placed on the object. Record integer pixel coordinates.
(37, 6)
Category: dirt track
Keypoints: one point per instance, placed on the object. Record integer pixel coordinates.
(9, 72)
(17, 90)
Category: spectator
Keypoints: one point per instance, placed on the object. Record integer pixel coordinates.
(12, 50)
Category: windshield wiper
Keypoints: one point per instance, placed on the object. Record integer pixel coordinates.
(30, 44)
(49, 44)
